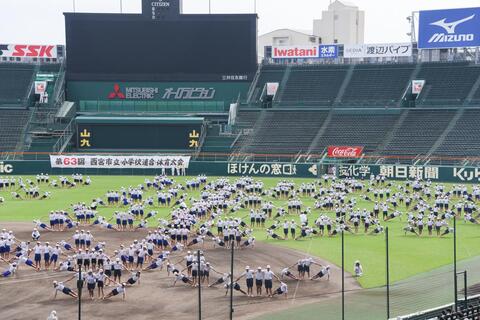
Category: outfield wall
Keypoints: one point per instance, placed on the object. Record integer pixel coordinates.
(403, 172)
(266, 169)
(260, 169)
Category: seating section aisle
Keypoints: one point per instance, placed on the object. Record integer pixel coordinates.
(419, 132)
(269, 73)
(367, 130)
(377, 85)
(463, 140)
(285, 132)
(447, 83)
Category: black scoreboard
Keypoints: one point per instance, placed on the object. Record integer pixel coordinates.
(161, 45)
(137, 134)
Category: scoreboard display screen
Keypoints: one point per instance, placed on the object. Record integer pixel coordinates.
(129, 47)
(138, 136)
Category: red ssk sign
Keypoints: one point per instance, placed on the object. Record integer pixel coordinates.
(344, 152)
(33, 51)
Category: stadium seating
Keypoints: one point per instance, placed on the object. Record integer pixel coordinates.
(447, 83)
(377, 85)
(356, 129)
(283, 132)
(12, 124)
(15, 81)
(314, 85)
(371, 85)
(270, 73)
(462, 140)
(419, 132)
(246, 119)
(215, 142)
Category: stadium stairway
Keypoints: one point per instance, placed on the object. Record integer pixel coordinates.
(474, 95)
(365, 128)
(389, 137)
(377, 85)
(447, 130)
(419, 132)
(268, 73)
(283, 84)
(463, 139)
(343, 88)
(447, 83)
(320, 133)
(215, 142)
(275, 134)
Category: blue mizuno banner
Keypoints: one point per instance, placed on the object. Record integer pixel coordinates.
(454, 28)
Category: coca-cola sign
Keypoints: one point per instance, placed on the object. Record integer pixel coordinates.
(344, 152)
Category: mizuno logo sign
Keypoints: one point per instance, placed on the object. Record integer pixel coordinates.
(450, 27)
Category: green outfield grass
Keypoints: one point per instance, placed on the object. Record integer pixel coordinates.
(409, 255)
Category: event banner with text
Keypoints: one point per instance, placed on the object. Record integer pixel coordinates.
(120, 162)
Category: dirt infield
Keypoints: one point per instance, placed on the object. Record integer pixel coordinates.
(29, 294)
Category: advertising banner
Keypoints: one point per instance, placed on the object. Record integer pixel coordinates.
(40, 87)
(417, 86)
(295, 52)
(409, 172)
(272, 169)
(119, 162)
(344, 152)
(28, 51)
(453, 28)
(272, 88)
(328, 51)
(382, 50)
(305, 52)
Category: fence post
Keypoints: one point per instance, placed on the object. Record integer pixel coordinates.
(232, 243)
(455, 285)
(465, 288)
(343, 276)
(388, 272)
(199, 287)
(79, 287)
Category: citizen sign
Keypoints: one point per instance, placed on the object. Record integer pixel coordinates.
(160, 4)
(6, 168)
(344, 152)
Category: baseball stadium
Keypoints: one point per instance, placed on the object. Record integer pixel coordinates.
(170, 164)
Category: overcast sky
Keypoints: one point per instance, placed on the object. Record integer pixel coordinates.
(41, 21)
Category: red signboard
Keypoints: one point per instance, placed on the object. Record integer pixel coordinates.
(28, 51)
(344, 152)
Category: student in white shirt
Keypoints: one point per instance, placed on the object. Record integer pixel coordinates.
(121, 289)
(59, 286)
(358, 269)
(283, 289)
